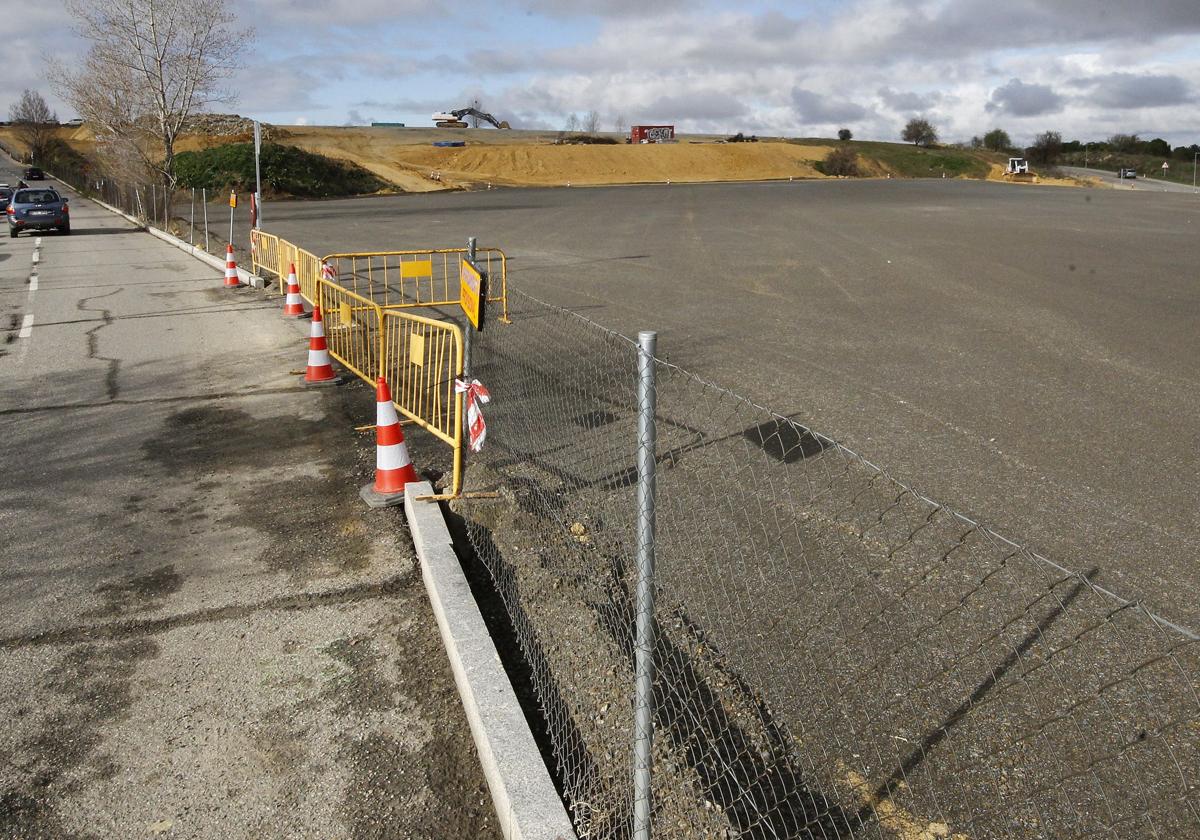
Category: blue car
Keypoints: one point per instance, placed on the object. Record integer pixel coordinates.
(39, 208)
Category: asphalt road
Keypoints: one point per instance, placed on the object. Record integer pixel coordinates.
(203, 632)
(1026, 355)
(1141, 184)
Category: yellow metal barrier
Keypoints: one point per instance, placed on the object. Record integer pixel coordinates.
(308, 274)
(353, 330)
(370, 332)
(265, 253)
(421, 359)
(287, 257)
(408, 279)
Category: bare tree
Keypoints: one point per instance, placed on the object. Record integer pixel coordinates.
(475, 117)
(151, 65)
(619, 124)
(572, 122)
(33, 123)
(1046, 147)
(591, 122)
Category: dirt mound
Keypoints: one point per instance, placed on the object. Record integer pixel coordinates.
(561, 165)
(996, 173)
(538, 161)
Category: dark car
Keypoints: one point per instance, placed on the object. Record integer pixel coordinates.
(34, 174)
(1127, 172)
(6, 193)
(37, 208)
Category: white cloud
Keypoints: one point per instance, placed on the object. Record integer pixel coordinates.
(1083, 67)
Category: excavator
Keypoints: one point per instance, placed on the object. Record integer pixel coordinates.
(454, 119)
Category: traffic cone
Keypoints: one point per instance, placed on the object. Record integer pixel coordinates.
(320, 369)
(231, 275)
(293, 307)
(393, 467)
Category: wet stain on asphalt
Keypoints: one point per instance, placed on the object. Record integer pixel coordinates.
(361, 689)
(405, 784)
(203, 438)
(64, 754)
(216, 439)
(136, 594)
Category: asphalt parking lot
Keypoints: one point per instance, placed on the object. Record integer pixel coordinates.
(1024, 355)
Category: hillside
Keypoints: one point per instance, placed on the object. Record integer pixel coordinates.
(406, 158)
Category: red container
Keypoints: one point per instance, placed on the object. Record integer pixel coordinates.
(651, 133)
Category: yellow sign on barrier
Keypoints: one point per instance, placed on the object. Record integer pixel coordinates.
(472, 293)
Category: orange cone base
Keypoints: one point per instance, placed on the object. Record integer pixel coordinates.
(375, 499)
(236, 284)
(300, 314)
(316, 383)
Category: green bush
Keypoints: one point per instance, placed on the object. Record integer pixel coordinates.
(286, 170)
(840, 161)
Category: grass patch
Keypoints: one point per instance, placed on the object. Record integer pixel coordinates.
(908, 161)
(286, 170)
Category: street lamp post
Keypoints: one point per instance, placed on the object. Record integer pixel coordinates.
(1194, 156)
(1085, 155)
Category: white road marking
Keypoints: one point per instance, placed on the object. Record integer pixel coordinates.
(33, 283)
(37, 243)
(26, 327)
(37, 256)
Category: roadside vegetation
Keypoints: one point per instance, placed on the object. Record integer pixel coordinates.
(286, 170)
(903, 160)
(1128, 151)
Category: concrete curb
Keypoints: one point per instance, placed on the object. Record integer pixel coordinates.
(205, 257)
(526, 802)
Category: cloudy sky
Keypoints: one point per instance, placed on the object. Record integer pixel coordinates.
(1087, 68)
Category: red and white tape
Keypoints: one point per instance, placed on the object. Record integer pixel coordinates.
(477, 395)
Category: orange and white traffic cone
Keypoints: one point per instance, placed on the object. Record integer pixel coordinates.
(320, 368)
(231, 275)
(393, 467)
(293, 306)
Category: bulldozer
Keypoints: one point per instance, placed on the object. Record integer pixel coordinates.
(454, 119)
(1018, 170)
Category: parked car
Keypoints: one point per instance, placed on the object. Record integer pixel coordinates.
(34, 174)
(37, 208)
(1126, 173)
(6, 194)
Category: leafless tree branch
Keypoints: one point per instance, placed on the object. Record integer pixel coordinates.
(151, 65)
(33, 122)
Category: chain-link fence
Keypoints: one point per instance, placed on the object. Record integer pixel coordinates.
(200, 217)
(836, 656)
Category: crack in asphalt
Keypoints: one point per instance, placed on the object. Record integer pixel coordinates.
(145, 627)
(93, 341)
(222, 395)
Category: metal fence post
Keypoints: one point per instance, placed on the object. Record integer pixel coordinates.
(204, 203)
(643, 704)
(192, 221)
(153, 205)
